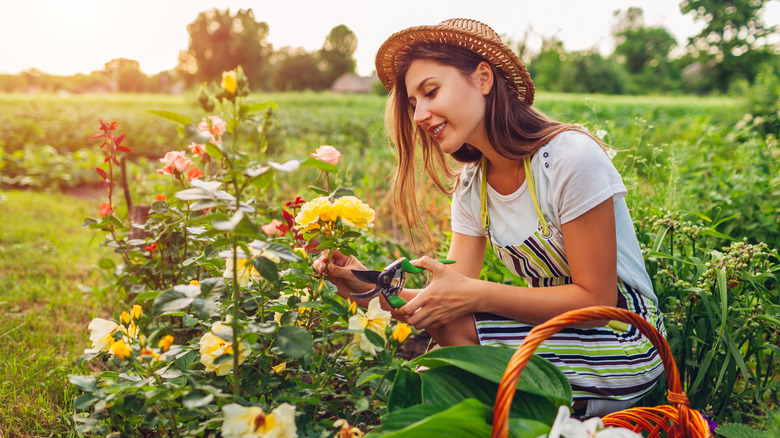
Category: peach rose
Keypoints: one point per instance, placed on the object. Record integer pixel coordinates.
(328, 154)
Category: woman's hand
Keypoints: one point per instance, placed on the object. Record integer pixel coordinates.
(444, 300)
(339, 272)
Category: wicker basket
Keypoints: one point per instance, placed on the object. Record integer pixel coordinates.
(675, 420)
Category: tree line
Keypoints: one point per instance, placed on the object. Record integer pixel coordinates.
(733, 51)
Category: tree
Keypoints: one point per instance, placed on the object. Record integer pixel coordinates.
(734, 43)
(337, 53)
(644, 51)
(220, 42)
(545, 67)
(126, 75)
(297, 70)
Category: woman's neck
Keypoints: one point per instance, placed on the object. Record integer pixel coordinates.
(505, 175)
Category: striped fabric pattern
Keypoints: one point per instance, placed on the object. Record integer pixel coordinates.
(599, 362)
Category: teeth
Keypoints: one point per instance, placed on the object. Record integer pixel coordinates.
(438, 128)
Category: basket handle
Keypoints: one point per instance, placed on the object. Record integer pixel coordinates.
(508, 385)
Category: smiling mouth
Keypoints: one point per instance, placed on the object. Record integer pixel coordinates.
(438, 129)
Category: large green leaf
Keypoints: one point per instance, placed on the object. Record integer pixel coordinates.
(405, 391)
(295, 341)
(449, 385)
(322, 165)
(466, 419)
(539, 377)
(170, 301)
(174, 117)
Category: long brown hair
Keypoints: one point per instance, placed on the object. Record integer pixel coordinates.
(514, 128)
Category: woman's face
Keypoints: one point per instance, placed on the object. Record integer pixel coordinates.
(449, 106)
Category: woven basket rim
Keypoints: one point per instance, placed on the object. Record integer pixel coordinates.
(678, 417)
(470, 34)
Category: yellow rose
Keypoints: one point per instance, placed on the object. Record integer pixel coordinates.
(120, 350)
(314, 211)
(401, 332)
(354, 212)
(253, 422)
(229, 82)
(165, 343)
(212, 347)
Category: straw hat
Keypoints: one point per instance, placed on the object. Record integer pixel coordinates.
(470, 34)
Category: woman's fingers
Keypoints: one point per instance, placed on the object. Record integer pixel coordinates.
(428, 264)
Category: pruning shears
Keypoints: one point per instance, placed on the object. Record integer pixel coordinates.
(390, 281)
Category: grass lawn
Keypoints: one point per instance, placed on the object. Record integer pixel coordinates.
(46, 261)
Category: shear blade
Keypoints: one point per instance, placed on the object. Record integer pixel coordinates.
(367, 276)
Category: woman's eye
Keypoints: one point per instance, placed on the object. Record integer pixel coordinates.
(432, 92)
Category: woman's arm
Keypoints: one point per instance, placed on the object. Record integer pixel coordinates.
(591, 250)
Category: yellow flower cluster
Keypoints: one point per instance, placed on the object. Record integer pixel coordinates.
(321, 213)
(113, 338)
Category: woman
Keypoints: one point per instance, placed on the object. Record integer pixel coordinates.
(542, 193)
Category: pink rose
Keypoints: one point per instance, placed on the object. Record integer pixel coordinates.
(197, 149)
(328, 154)
(216, 128)
(272, 229)
(175, 161)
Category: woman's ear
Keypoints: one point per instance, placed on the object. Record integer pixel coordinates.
(483, 77)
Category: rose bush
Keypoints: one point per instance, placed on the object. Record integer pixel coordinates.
(230, 330)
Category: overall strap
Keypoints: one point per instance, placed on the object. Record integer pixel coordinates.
(531, 188)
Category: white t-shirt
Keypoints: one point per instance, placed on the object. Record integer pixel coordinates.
(572, 174)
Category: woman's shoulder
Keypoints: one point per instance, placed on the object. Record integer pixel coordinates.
(469, 177)
(570, 148)
(573, 140)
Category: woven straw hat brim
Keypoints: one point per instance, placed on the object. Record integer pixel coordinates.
(478, 41)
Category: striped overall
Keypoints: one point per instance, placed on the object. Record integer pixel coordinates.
(616, 363)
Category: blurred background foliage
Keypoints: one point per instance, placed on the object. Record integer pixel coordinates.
(734, 47)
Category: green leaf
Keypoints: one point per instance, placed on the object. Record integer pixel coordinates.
(374, 338)
(466, 419)
(295, 341)
(525, 428)
(106, 263)
(266, 268)
(260, 106)
(85, 383)
(342, 191)
(319, 191)
(170, 301)
(194, 400)
(84, 401)
(539, 377)
(736, 430)
(212, 285)
(711, 232)
(323, 166)
(174, 117)
(277, 249)
(449, 385)
(406, 390)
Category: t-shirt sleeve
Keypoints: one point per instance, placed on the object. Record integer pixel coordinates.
(581, 176)
(464, 218)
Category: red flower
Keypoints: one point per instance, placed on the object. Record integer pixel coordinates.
(194, 173)
(151, 247)
(160, 197)
(105, 209)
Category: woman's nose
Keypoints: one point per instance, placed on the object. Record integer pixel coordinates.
(421, 114)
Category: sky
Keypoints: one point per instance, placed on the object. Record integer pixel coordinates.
(65, 37)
